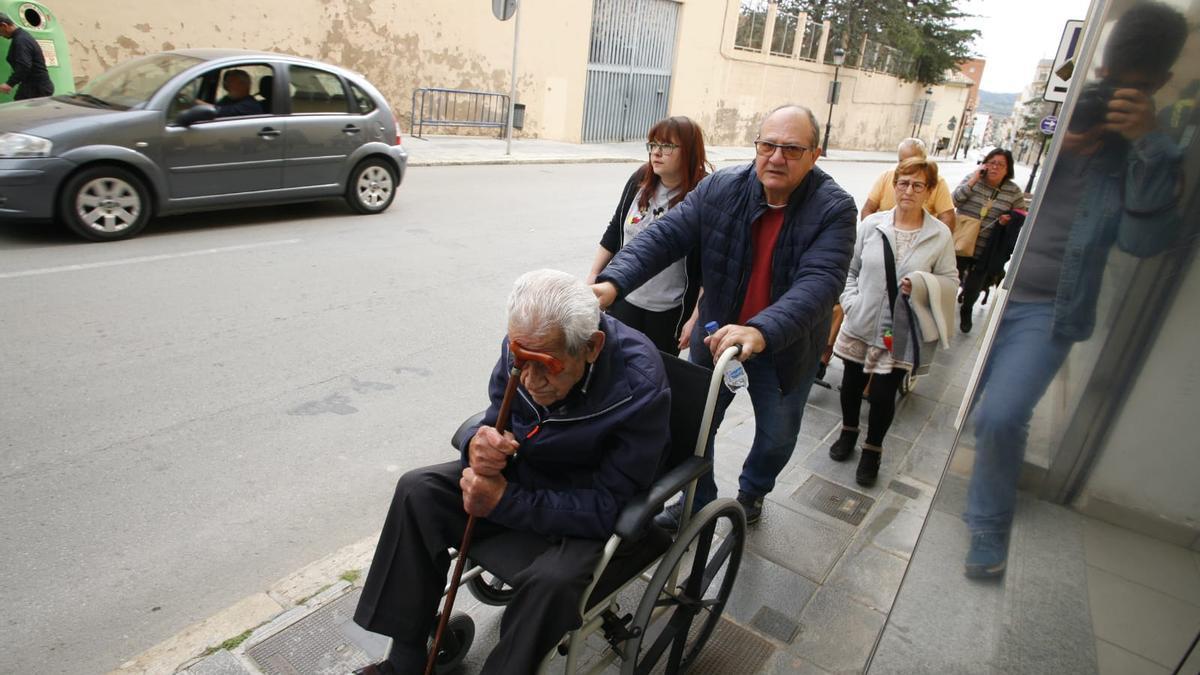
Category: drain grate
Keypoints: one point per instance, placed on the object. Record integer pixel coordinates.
(776, 624)
(730, 649)
(326, 641)
(834, 500)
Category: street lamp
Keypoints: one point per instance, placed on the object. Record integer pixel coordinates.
(921, 122)
(839, 57)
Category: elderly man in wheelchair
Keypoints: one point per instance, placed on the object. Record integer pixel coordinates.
(562, 503)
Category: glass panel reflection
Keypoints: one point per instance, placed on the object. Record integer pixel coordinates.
(1066, 529)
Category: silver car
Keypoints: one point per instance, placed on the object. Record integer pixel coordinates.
(169, 133)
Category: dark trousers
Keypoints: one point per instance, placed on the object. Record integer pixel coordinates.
(404, 586)
(660, 327)
(31, 90)
(972, 287)
(882, 398)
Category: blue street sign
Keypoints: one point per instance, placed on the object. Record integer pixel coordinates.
(1049, 124)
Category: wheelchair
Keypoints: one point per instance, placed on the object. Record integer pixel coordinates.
(689, 575)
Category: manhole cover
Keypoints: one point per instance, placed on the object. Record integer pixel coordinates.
(834, 500)
(324, 642)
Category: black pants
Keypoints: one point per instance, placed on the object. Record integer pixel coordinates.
(660, 327)
(29, 90)
(972, 287)
(404, 586)
(882, 398)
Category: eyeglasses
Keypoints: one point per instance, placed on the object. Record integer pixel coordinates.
(998, 164)
(667, 149)
(767, 148)
(906, 185)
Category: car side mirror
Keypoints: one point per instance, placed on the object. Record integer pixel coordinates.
(198, 113)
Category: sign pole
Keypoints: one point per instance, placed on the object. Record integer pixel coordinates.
(1038, 162)
(512, 88)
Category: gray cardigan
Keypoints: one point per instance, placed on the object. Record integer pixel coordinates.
(865, 298)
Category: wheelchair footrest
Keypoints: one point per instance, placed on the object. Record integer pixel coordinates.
(616, 630)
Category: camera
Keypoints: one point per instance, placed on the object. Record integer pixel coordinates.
(1091, 107)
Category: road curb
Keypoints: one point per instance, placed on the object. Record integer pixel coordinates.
(305, 589)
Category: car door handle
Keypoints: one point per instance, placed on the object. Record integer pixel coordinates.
(350, 129)
(268, 132)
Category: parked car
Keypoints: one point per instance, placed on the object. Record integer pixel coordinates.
(143, 139)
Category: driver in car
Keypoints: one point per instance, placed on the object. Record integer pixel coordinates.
(237, 101)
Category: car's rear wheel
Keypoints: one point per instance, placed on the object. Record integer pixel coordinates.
(372, 186)
(105, 203)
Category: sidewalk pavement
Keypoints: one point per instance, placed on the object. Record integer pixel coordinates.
(817, 578)
(458, 150)
(819, 574)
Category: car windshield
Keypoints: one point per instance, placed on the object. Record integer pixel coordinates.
(131, 84)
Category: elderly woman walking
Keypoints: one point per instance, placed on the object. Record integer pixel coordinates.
(896, 244)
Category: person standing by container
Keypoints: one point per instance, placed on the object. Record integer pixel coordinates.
(662, 308)
(29, 76)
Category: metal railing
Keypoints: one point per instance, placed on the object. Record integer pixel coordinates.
(438, 107)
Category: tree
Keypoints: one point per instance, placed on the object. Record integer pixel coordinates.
(924, 30)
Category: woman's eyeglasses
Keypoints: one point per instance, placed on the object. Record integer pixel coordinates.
(667, 149)
(906, 185)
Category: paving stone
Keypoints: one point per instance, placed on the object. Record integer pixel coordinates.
(870, 575)
(817, 423)
(893, 528)
(925, 464)
(762, 583)
(912, 413)
(837, 633)
(220, 663)
(785, 663)
(797, 542)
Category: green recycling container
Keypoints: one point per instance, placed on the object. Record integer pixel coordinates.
(44, 26)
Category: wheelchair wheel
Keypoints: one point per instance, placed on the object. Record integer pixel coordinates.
(489, 589)
(456, 642)
(675, 620)
(907, 383)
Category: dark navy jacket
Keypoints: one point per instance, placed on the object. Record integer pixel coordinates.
(808, 267)
(580, 462)
(29, 75)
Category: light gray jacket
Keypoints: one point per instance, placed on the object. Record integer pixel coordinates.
(865, 298)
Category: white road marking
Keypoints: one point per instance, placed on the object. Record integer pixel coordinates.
(144, 259)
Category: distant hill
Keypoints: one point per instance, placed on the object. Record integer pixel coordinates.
(993, 103)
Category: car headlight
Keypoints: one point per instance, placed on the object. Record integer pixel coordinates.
(24, 145)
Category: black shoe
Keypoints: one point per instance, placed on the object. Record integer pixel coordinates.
(843, 447)
(668, 519)
(868, 467)
(988, 555)
(751, 505)
(965, 324)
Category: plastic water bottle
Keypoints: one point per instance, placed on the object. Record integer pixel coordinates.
(735, 374)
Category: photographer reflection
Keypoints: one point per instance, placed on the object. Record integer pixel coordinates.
(1116, 180)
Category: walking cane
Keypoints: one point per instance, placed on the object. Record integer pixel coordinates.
(520, 357)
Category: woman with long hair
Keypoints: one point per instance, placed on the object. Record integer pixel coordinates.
(918, 242)
(662, 307)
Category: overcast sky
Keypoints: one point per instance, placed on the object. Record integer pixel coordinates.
(1015, 34)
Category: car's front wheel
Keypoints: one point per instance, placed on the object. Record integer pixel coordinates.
(105, 203)
(371, 186)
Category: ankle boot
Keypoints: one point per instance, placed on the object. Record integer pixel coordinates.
(843, 447)
(868, 466)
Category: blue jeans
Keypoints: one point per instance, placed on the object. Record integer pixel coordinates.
(777, 419)
(1024, 359)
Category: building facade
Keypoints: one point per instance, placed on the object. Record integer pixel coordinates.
(587, 71)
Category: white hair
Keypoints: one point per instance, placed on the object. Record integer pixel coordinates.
(914, 143)
(543, 300)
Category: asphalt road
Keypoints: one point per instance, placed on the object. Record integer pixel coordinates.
(191, 415)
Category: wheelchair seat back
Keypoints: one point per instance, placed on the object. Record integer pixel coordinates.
(689, 389)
